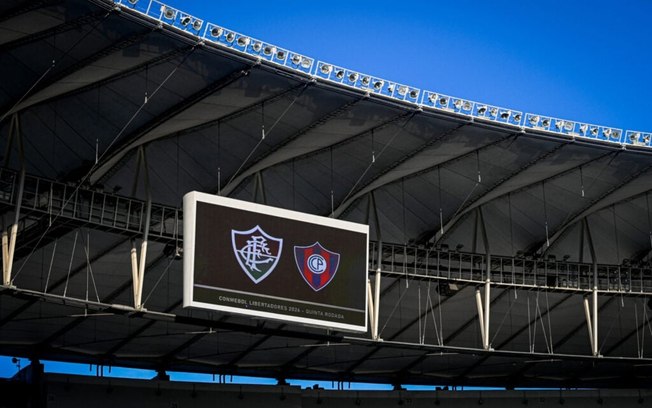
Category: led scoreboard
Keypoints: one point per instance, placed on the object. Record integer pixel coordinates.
(257, 260)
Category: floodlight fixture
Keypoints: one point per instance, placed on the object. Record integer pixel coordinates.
(637, 138)
(505, 114)
(169, 12)
(269, 50)
(185, 20)
(606, 132)
(517, 118)
(545, 123)
(559, 124)
(353, 77)
(414, 94)
(339, 74)
(482, 109)
(306, 63)
(432, 98)
(378, 85)
(534, 120)
(365, 80)
(257, 46)
(280, 54)
(196, 25)
(217, 31)
(493, 112)
(230, 37)
(326, 69)
(594, 131)
(296, 59)
(243, 41)
(457, 104)
(390, 88)
(467, 106)
(583, 128)
(402, 90)
(443, 101)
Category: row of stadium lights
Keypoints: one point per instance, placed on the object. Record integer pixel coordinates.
(271, 53)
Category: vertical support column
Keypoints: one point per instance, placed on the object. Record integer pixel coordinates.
(587, 314)
(138, 262)
(595, 309)
(379, 261)
(487, 298)
(9, 237)
(593, 327)
(374, 331)
(487, 284)
(478, 303)
(370, 307)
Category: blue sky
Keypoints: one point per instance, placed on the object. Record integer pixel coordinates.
(577, 60)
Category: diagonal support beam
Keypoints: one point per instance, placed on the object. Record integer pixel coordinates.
(86, 19)
(368, 355)
(52, 89)
(277, 154)
(453, 220)
(107, 299)
(149, 131)
(394, 171)
(571, 334)
(608, 198)
(103, 79)
(514, 335)
(495, 191)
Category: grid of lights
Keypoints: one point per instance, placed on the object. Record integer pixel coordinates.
(261, 50)
(638, 138)
(467, 107)
(367, 83)
(573, 129)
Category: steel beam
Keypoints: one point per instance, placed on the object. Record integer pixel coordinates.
(603, 201)
(277, 155)
(146, 133)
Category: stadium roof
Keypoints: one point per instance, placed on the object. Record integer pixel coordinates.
(108, 104)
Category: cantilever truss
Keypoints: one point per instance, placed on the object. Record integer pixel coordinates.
(500, 255)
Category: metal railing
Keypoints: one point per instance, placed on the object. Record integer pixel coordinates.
(87, 206)
(451, 265)
(119, 214)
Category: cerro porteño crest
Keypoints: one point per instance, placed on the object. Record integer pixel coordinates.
(257, 252)
(317, 265)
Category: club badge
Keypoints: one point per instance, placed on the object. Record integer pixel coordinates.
(316, 264)
(257, 252)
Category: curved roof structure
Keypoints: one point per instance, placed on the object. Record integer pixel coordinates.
(111, 104)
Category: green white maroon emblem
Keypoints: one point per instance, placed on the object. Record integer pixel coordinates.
(257, 252)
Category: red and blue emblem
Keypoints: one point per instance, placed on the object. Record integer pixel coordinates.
(317, 265)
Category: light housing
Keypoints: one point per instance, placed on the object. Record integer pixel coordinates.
(273, 54)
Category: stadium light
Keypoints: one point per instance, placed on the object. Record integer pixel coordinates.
(365, 82)
(637, 138)
(271, 53)
(168, 12)
(573, 129)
